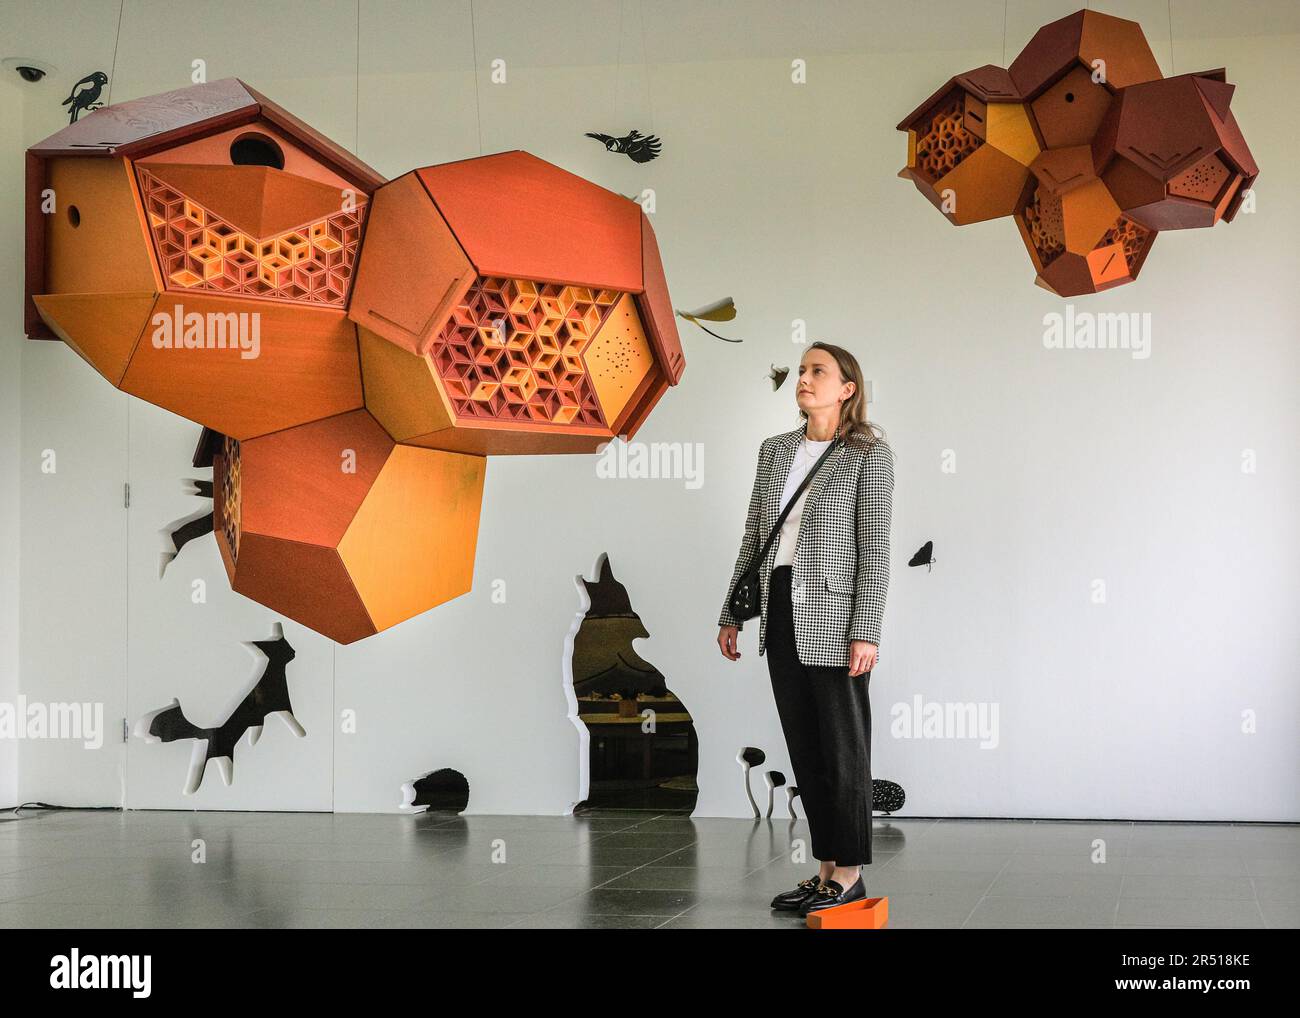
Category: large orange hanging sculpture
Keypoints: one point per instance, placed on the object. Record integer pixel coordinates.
(355, 347)
(1087, 146)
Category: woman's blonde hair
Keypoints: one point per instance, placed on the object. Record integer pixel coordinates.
(854, 426)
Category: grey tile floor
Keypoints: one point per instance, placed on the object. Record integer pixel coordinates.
(614, 869)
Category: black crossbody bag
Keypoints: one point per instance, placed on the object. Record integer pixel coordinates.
(745, 596)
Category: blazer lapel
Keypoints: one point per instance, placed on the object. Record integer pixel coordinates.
(781, 463)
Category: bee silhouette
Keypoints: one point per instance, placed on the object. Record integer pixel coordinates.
(85, 95)
(638, 147)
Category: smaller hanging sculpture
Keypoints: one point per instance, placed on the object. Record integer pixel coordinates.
(1087, 146)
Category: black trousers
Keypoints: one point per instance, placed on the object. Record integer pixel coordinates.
(826, 716)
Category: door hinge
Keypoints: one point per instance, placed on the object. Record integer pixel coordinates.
(126, 495)
(126, 731)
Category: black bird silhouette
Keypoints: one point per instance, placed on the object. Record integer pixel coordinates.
(924, 556)
(638, 147)
(85, 95)
(269, 695)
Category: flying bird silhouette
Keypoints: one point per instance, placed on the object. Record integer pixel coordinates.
(638, 147)
(85, 95)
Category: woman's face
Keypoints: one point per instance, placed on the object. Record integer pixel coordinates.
(819, 386)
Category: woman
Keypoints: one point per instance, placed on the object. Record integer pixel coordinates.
(823, 595)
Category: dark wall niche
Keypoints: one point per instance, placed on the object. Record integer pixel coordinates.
(636, 761)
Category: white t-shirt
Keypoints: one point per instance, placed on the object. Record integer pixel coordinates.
(805, 458)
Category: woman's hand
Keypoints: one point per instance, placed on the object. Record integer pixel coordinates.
(862, 656)
(727, 641)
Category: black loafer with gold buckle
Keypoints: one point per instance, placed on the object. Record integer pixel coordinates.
(790, 901)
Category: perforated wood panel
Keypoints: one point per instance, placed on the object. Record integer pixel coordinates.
(1043, 216)
(1134, 238)
(200, 251)
(513, 351)
(945, 141)
(1201, 181)
(229, 492)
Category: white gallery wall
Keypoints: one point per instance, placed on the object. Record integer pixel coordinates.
(11, 252)
(1075, 471)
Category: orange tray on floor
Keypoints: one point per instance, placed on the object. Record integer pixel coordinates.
(867, 914)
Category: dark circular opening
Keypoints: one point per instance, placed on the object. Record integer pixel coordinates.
(1069, 97)
(74, 216)
(256, 150)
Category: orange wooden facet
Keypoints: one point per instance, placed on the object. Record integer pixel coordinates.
(103, 328)
(619, 358)
(1088, 211)
(657, 314)
(411, 546)
(1010, 130)
(213, 151)
(306, 483)
(1062, 169)
(402, 389)
(517, 215)
(306, 366)
(258, 200)
(95, 239)
(1108, 266)
(1070, 111)
(985, 185)
(306, 582)
(412, 272)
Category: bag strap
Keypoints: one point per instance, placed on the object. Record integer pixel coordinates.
(780, 520)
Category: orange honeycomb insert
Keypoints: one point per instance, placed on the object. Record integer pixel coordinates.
(513, 351)
(198, 250)
(946, 141)
(229, 489)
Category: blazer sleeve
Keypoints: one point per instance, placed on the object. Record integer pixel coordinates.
(874, 517)
(749, 545)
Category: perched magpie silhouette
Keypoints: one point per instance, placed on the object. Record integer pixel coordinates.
(638, 147)
(85, 95)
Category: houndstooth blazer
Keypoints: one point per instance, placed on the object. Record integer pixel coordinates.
(841, 560)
